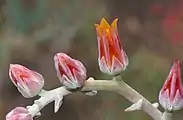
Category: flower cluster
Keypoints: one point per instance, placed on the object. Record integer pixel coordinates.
(72, 73)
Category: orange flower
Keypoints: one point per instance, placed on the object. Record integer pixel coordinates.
(112, 59)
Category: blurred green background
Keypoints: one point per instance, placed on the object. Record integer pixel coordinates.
(32, 31)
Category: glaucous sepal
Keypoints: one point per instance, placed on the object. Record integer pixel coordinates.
(116, 67)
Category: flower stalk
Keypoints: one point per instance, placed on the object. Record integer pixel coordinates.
(47, 97)
(167, 116)
(72, 74)
(109, 85)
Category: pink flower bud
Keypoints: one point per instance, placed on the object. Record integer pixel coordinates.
(171, 94)
(71, 72)
(28, 82)
(112, 58)
(19, 113)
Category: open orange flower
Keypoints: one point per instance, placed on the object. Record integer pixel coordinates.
(112, 59)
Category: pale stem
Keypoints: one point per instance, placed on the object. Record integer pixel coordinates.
(167, 116)
(46, 98)
(117, 86)
(126, 91)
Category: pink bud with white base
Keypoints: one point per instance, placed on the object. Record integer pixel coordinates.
(19, 113)
(28, 82)
(71, 72)
(171, 94)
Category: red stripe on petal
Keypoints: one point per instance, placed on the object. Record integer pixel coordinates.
(70, 64)
(173, 82)
(13, 77)
(101, 48)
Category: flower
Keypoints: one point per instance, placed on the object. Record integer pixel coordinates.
(71, 72)
(28, 82)
(171, 94)
(19, 113)
(112, 59)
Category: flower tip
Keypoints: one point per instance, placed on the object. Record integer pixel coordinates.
(114, 23)
(11, 66)
(60, 54)
(104, 23)
(57, 55)
(96, 25)
(116, 20)
(177, 62)
(103, 20)
(15, 65)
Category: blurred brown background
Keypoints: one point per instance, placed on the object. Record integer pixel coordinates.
(32, 31)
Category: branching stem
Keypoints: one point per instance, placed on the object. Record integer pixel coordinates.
(117, 86)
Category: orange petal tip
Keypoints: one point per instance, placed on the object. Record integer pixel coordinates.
(104, 23)
(114, 23)
(96, 25)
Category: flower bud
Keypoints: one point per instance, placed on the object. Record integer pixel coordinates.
(28, 82)
(171, 94)
(71, 72)
(112, 58)
(19, 113)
